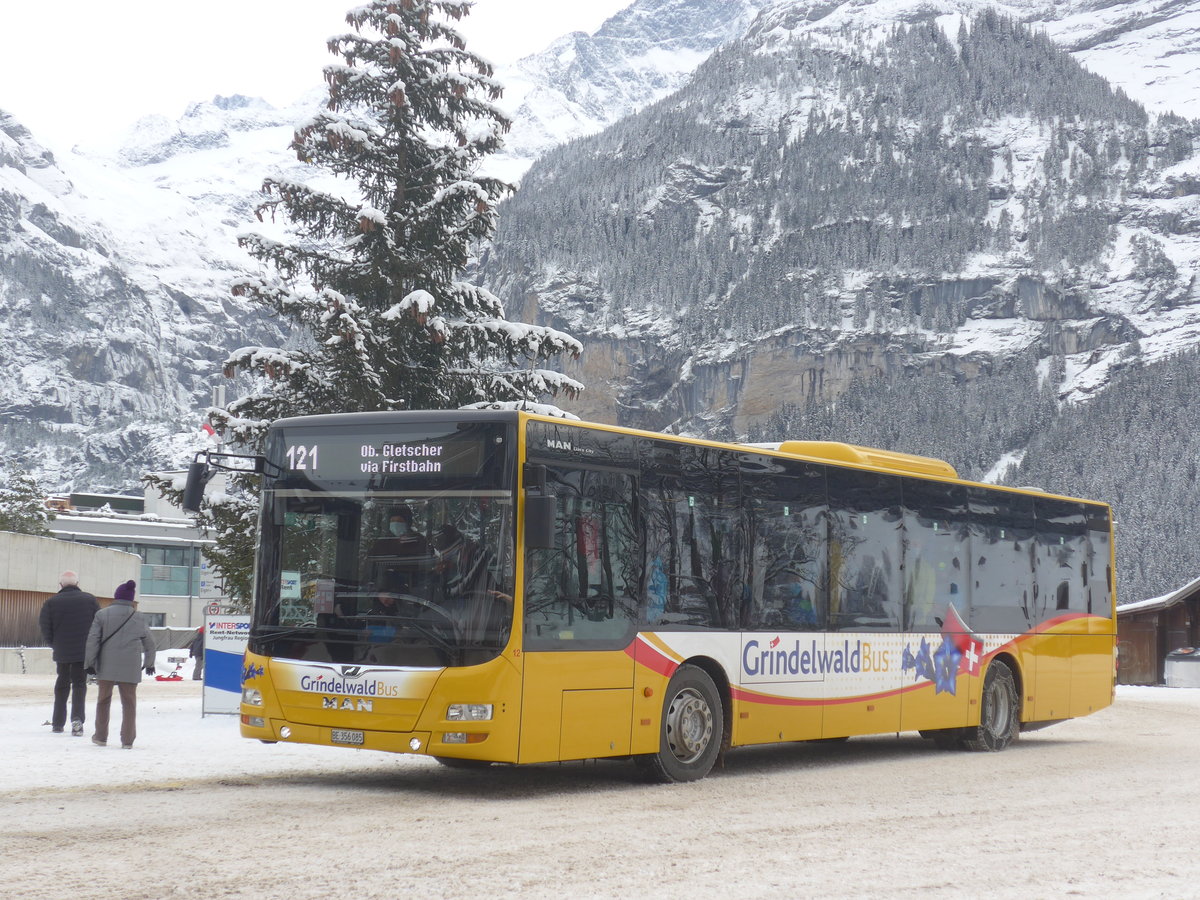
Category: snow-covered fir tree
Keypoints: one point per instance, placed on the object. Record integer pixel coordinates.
(368, 270)
(22, 506)
(370, 275)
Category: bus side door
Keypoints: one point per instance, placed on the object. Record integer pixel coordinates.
(580, 615)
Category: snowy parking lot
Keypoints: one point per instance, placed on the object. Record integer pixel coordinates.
(1098, 807)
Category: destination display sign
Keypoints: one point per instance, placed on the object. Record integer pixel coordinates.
(386, 455)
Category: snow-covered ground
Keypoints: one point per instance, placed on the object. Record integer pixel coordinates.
(1102, 806)
(176, 742)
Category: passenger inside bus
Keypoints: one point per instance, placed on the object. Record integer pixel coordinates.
(400, 560)
(384, 605)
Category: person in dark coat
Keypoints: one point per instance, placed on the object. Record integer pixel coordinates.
(65, 620)
(196, 652)
(119, 647)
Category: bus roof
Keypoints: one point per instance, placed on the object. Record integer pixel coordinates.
(829, 451)
(892, 460)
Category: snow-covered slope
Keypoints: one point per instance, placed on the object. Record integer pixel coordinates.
(114, 297)
(1148, 48)
(582, 83)
(825, 200)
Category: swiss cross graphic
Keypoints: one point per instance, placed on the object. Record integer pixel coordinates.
(968, 644)
(971, 656)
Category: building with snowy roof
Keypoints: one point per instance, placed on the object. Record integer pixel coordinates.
(175, 581)
(1149, 630)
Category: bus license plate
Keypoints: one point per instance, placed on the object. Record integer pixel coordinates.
(340, 736)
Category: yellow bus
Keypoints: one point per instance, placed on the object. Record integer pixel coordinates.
(502, 587)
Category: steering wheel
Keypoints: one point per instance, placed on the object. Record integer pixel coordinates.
(431, 615)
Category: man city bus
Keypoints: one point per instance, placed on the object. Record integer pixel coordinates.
(504, 587)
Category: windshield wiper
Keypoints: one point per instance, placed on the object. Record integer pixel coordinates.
(283, 632)
(452, 649)
(352, 637)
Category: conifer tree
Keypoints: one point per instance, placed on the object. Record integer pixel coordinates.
(368, 270)
(371, 273)
(22, 506)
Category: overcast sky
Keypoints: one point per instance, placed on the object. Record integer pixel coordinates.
(75, 69)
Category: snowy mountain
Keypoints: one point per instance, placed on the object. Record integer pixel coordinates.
(1056, 245)
(1148, 48)
(582, 83)
(114, 299)
(838, 225)
(133, 246)
(827, 191)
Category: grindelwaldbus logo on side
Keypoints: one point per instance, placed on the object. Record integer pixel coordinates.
(329, 684)
(801, 658)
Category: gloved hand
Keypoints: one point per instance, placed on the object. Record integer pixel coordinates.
(90, 670)
(149, 670)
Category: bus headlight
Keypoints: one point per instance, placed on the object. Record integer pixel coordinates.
(252, 696)
(469, 712)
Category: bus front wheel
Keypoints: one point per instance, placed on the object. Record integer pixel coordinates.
(999, 716)
(691, 730)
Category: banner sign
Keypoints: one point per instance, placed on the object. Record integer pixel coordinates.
(225, 639)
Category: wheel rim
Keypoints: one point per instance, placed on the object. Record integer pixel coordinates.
(998, 711)
(689, 725)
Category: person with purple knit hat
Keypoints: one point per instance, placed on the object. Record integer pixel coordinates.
(119, 647)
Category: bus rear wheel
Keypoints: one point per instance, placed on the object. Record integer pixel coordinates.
(692, 728)
(999, 716)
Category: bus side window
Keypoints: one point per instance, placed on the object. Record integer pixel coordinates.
(1097, 574)
(864, 551)
(1002, 586)
(695, 538)
(936, 553)
(584, 588)
(789, 579)
(1062, 555)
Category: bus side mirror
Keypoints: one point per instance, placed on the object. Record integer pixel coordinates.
(198, 476)
(539, 521)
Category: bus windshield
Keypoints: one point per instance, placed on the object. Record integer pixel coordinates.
(390, 549)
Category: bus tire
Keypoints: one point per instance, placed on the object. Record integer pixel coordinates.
(691, 730)
(999, 715)
(455, 762)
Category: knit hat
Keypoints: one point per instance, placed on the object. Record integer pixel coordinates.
(125, 591)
